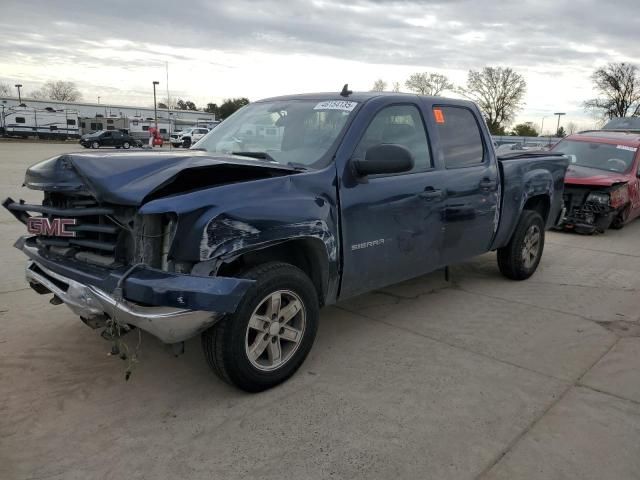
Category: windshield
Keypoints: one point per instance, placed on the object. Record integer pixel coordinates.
(290, 132)
(603, 156)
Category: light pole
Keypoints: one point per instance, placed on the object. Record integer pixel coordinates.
(98, 99)
(542, 126)
(559, 114)
(19, 86)
(155, 108)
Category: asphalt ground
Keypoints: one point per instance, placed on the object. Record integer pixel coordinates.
(479, 377)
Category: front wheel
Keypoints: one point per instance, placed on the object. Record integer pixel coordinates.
(266, 340)
(520, 258)
(95, 145)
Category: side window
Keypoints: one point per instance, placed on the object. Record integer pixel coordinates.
(19, 119)
(460, 136)
(145, 128)
(401, 125)
(72, 122)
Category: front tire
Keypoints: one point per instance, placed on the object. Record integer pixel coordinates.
(520, 258)
(268, 337)
(95, 145)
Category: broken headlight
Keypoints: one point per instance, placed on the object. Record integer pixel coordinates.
(599, 198)
(620, 196)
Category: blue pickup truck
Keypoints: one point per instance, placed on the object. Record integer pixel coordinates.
(291, 204)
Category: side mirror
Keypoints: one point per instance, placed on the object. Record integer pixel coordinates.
(384, 158)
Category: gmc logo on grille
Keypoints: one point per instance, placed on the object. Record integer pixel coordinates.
(54, 227)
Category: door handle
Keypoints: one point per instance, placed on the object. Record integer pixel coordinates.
(430, 194)
(487, 184)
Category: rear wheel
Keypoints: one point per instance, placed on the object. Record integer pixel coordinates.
(126, 145)
(268, 337)
(95, 145)
(186, 143)
(520, 258)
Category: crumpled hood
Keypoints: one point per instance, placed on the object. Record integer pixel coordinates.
(578, 175)
(127, 178)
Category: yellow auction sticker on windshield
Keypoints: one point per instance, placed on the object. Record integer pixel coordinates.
(343, 105)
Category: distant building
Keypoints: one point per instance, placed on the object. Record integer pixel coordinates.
(98, 116)
(92, 110)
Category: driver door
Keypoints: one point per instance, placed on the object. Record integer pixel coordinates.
(391, 225)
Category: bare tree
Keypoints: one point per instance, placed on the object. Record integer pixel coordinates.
(428, 83)
(379, 86)
(572, 127)
(396, 87)
(60, 91)
(498, 92)
(5, 89)
(618, 85)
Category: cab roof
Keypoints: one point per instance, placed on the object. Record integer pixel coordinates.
(610, 137)
(362, 97)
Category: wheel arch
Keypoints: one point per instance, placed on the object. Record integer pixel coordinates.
(309, 254)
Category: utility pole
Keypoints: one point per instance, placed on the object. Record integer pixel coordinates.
(19, 86)
(98, 99)
(155, 108)
(559, 114)
(542, 126)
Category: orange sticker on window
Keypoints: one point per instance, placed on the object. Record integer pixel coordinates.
(438, 115)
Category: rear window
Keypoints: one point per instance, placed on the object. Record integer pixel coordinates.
(460, 137)
(603, 156)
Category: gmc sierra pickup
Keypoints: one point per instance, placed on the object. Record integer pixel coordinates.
(292, 203)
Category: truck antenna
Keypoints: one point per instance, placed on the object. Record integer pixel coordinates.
(345, 91)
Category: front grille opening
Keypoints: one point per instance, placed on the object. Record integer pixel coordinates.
(61, 285)
(103, 239)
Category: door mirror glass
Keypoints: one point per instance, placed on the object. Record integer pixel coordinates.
(385, 158)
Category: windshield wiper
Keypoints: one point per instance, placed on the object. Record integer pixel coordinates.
(297, 166)
(258, 155)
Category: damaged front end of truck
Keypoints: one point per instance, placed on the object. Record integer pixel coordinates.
(139, 239)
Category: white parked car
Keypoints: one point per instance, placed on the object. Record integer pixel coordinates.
(188, 136)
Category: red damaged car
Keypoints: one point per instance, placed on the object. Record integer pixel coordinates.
(602, 185)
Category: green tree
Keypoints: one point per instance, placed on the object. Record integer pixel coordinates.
(498, 92)
(561, 133)
(185, 105)
(230, 105)
(524, 130)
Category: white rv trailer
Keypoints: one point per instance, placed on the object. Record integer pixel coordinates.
(46, 123)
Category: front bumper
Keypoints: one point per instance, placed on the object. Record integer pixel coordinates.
(170, 306)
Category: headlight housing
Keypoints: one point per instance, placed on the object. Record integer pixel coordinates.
(600, 198)
(620, 196)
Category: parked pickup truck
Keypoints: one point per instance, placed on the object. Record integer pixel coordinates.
(291, 204)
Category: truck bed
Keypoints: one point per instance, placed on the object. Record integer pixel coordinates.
(525, 175)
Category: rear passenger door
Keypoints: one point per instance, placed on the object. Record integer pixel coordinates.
(472, 199)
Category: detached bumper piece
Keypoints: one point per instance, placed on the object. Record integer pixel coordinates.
(170, 306)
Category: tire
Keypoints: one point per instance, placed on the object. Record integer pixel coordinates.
(95, 145)
(126, 145)
(514, 261)
(620, 221)
(186, 143)
(227, 344)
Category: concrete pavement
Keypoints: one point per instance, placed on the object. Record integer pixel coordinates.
(480, 377)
